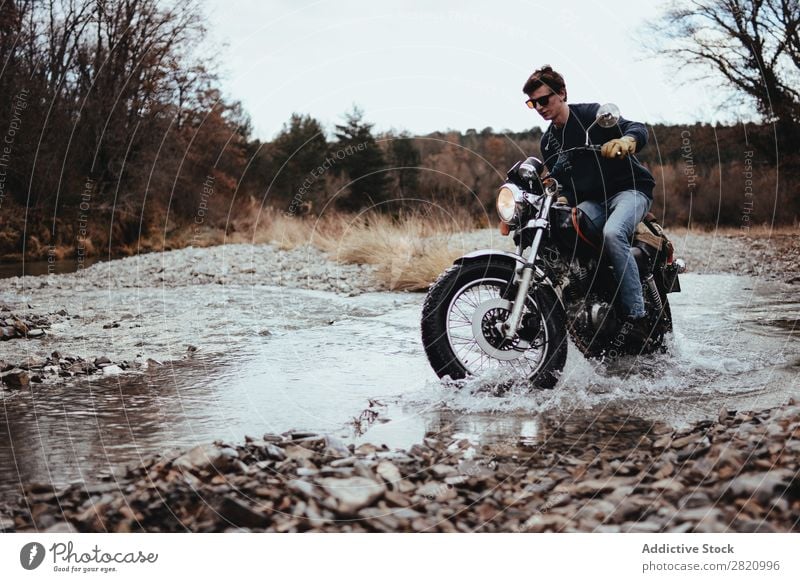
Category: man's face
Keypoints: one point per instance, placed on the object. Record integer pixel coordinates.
(553, 104)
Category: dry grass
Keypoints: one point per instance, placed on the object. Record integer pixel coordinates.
(409, 251)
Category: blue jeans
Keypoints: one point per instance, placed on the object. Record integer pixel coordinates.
(619, 216)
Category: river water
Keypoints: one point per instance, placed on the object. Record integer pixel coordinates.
(270, 360)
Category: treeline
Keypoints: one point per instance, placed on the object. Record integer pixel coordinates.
(706, 175)
(302, 170)
(114, 129)
(111, 122)
(722, 175)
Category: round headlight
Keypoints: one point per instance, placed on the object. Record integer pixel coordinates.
(506, 205)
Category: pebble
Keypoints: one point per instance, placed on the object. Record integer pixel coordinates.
(761, 487)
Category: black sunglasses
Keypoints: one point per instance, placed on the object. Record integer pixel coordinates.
(541, 101)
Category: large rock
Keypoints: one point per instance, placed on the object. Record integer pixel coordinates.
(242, 514)
(20, 326)
(303, 487)
(438, 492)
(594, 486)
(762, 487)
(61, 527)
(15, 378)
(209, 457)
(389, 472)
(336, 447)
(353, 493)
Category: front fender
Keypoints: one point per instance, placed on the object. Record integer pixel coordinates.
(502, 257)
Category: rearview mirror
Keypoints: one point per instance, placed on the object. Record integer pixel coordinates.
(607, 115)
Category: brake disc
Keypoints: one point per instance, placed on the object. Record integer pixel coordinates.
(488, 318)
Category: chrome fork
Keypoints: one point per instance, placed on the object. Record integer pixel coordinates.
(540, 223)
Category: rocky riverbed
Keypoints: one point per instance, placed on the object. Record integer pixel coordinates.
(13, 326)
(738, 472)
(60, 344)
(39, 369)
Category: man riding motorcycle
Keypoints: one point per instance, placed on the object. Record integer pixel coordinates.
(615, 192)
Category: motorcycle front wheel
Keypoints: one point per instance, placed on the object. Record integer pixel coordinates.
(461, 320)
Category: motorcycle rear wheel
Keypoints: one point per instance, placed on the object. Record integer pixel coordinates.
(592, 346)
(448, 326)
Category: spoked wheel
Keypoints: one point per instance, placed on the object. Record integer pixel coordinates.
(462, 322)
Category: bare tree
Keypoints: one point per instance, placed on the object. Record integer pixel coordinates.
(120, 95)
(115, 85)
(753, 44)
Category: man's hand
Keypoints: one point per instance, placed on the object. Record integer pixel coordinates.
(619, 148)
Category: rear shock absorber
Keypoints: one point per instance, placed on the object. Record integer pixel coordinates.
(652, 291)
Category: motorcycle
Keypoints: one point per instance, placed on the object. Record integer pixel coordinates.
(497, 310)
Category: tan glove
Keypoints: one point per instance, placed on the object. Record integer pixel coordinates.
(619, 148)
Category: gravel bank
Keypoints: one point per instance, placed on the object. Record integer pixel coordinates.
(309, 268)
(776, 257)
(738, 472)
(233, 264)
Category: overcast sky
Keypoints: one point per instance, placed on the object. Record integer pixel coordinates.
(426, 66)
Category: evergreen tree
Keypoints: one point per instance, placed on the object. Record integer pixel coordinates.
(361, 159)
(405, 160)
(296, 156)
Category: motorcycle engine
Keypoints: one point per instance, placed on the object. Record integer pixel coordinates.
(578, 281)
(591, 318)
(594, 319)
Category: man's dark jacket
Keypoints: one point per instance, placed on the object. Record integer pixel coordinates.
(588, 175)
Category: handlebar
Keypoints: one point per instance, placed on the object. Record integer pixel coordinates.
(583, 148)
(589, 148)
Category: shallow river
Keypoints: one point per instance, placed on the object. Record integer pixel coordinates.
(271, 360)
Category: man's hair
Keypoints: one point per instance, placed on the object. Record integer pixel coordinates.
(545, 76)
